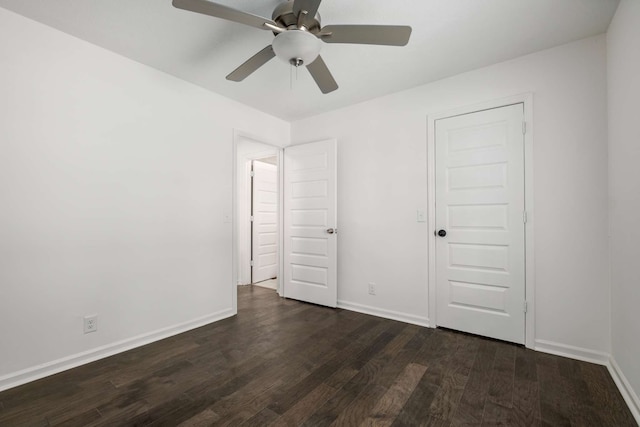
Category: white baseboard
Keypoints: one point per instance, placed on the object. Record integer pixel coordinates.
(46, 369)
(387, 314)
(629, 395)
(572, 352)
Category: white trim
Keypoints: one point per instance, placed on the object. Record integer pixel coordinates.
(578, 353)
(280, 285)
(527, 100)
(632, 399)
(530, 274)
(386, 314)
(46, 369)
(431, 219)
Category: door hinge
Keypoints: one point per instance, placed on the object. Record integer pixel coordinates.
(252, 174)
(251, 263)
(525, 307)
(251, 218)
(524, 128)
(524, 217)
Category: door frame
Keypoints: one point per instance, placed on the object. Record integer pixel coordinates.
(527, 100)
(273, 149)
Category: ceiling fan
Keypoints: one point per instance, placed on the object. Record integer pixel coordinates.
(298, 36)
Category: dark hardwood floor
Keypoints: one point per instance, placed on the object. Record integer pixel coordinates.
(281, 362)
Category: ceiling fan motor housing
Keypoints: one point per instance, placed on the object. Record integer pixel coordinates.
(284, 16)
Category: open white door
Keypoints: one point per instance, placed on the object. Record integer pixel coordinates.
(480, 248)
(264, 247)
(310, 223)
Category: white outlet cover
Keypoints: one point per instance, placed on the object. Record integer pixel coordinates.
(372, 288)
(90, 324)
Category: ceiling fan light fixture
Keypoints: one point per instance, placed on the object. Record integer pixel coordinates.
(297, 47)
(298, 36)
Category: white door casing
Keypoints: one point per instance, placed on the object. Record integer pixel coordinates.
(310, 223)
(264, 245)
(480, 202)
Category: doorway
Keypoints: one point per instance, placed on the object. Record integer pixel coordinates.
(480, 222)
(257, 221)
(290, 229)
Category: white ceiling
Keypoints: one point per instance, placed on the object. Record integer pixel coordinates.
(449, 37)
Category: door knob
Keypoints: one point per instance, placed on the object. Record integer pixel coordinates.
(331, 231)
(442, 233)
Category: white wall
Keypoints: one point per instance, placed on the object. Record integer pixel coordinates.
(623, 47)
(382, 181)
(114, 179)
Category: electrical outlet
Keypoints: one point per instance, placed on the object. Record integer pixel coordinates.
(90, 323)
(372, 288)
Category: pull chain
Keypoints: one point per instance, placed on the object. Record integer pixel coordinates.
(294, 63)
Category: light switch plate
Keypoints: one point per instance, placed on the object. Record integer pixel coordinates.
(422, 215)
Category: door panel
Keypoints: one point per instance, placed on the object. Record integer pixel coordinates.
(265, 222)
(480, 204)
(310, 210)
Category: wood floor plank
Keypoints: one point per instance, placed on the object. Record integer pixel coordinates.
(435, 353)
(526, 402)
(367, 366)
(555, 404)
(202, 419)
(298, 413)
(357, 411)
(389, 365)
(389, 406)
(265, 417)
(470, 409)
(288, 397)
(526, 392)
(67, 400)
(454, 380)
(605, 396)
(503, 376)
(284, 363)
(498, 415)
(416, 410)
(162, 359)
(582, 408)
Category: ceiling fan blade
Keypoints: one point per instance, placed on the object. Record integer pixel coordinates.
(252, 64)
(224, 12)
(388, 35)
(322, 75)
(311, 6)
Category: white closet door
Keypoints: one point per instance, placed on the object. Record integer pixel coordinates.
(265, 222)
(480, 261)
